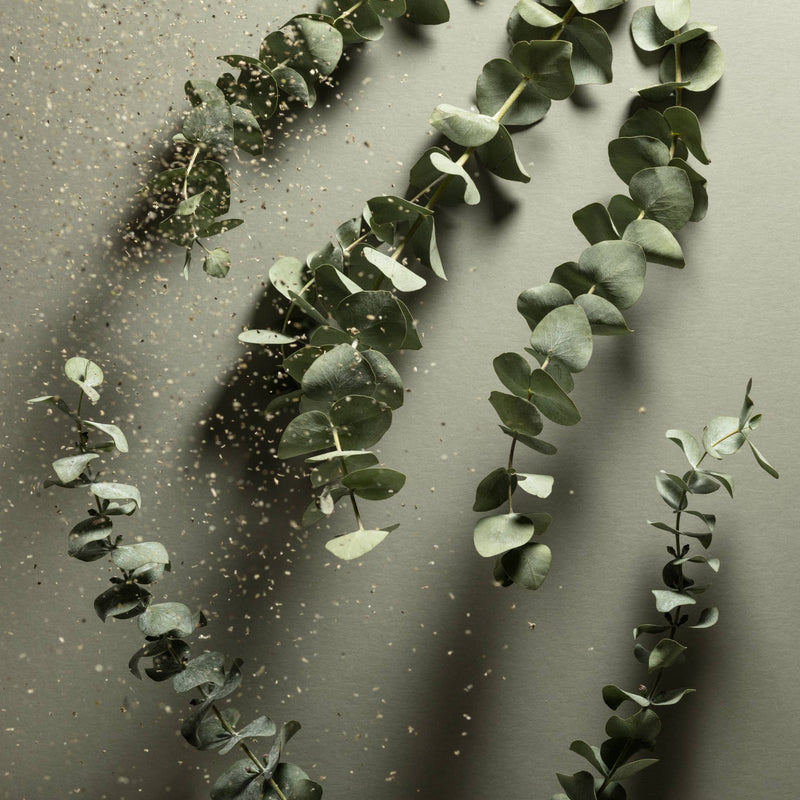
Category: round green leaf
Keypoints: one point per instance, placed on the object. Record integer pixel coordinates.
(514, 372)
(673, 14)
(537, 485)
(374, 483)
(517, 413)
(684, 123)
(537, 15)
(496, 535)
(552, 400)
(217, 262)
(594, 222)
(628, 155)
(70, 468)
(467, 128)
(647, 29)
(498, 79)
(564, 336)
(664, 194)
(388, 383)
(591, 51)
(122, 600)
(376, 318)
(534, 304)
(499, 157)
(547, 65)
(699, 193)
(355, 544)
(360, 25)
(494, 489)
(122, 499)
(723, 436)
(117, 436)
(702, 65)
(164, 618)
(89, 539)
(659, 245)
(130, 557)
(306, 433)
(360, 421)
(647, 122)
(604, 317)
(528, 565)
(427, 12)
(340, 372)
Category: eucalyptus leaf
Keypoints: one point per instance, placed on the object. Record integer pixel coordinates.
(552, 400)
(360, 421)
(86, 374)
(374, 483)
(673, 14)
(494, 490)
(664, 194)
(70, 468)
(631, 768)
(467, 128)
(536, 303)
(89, 539)
(262, 336)
(628, 155)
(666, 600)
(591, 51)
(647, 30)
(514, 372)
(688, 444)
(122, 600)
(129, 557)
(497, 81)
(217, 262)
(659, 245)
(287, 275)
(337, 373)
(702, 65)
(647, 122)
(666, 653)
(356, 544)
(595, 223)
(684, 124)
(547, 65)
(528, 565)
(698, 184)
(579, 786)
(500, 158)
(564, 336)
(121, 497)
(376, 318)
(388, 383)
(306, 433)
(427, 12)
(707, 619)
(423, 242)
(622, 211)
(118, 437)
(496, 535)
(517, 413)
(723, 437)
(604, 317)
(401, 277)
(163, 619)
(537, 485)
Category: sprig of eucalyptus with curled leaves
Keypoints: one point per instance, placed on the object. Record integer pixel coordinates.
(585, 298)
(336, 356)
(165, 626)
(190, 201)
(615, 760)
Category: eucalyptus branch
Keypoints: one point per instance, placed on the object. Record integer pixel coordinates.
(234, 113)
(346, 386)
(165, 626)
(585, 298)
(722, 437)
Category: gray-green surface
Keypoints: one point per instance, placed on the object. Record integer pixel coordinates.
(412, 674)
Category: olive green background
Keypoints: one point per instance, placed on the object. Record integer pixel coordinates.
(412, 674)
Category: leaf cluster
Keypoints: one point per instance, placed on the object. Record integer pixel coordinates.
(235, 112)
(586, 298)
(618, 757)
(164, 626)
(346, 388)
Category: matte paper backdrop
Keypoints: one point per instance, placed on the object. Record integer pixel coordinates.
(412, 673)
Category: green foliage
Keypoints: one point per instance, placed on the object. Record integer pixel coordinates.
(344, 387)
(235, 113)
(586, 298)
(166, 625)
(616, 759)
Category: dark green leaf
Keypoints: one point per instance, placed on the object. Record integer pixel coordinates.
(622, 211)
(498, 79)
(527, 565)
(494, 489)
(591, 51)
(552, 400)
(376, 317)
(173, 619)
(547, 65)
(672, 489)
(122, 600)
(684, 123)
(670, 697)
(604, 317)
(500, 158)
(425, 248)
(205, 668)
(591, 754)
(427, 12)
(631, 768)
(360, 421)
(630, 154)
(702, 65)
(388, 383)
(340, 372)
(659, 245)
(707, 619)
(361, 25)
(647, 29)
(217, 262)
(535, 304)
(516, 413)
(666, 599)
(579, 786)
(306, 433)
(538, 445)
(594, 222)
(564, 337)
(374, 483)
(664, 194)
(246, 132)
(698, 184)
(514, 372)
(433, 166)
(666, 653)
(647, 122)
(614, 697)
(89, 539)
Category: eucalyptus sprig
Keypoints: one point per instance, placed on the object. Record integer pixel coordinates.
(585, 298)
(191, 200)
(346, 386)
(165, 626)
(615, 760)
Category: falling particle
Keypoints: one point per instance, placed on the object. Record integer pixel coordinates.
(531, 625)
(642, 410)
